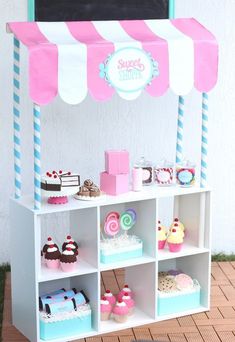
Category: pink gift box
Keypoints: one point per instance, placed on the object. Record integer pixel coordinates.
(117, 162)
(114, 184)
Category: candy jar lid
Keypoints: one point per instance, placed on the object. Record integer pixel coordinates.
(142, 162)
(186, 163)
(165, 163)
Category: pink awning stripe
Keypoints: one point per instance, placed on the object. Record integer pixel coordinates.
(205, 53)
(158, 48)
(97, 51)
(43, 62)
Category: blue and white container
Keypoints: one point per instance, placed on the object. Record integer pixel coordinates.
(179, 301)
(65, 325)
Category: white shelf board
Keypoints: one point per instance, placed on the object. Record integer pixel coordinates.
(187, 249)
(148, 192)
(73, 338)
(145, 259)
(138, 318)
(182, 313)
(82, 267)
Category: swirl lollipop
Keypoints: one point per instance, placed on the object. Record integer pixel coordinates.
(133, 214)
(126, 221)
(112, 215)
(112, 226)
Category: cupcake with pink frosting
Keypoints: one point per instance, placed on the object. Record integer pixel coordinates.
(52, 257)
(129, 302)
(68, 260)
(120, 312)
(105, 309)
(125, 289)
(110, 297)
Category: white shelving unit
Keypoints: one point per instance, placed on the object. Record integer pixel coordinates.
(30, 279)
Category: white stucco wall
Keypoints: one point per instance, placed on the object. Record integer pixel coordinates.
(75, 137)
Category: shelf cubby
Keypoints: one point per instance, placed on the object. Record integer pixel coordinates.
(196, 266)
(194, 211)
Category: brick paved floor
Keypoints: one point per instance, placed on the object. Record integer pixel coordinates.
(216, 325)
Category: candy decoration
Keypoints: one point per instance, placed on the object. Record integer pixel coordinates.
(126, 221)
(112, 215)
(132, 212)
(180, 128)
(16, 118)
(112, 226)
(37, 156)
(204, 139)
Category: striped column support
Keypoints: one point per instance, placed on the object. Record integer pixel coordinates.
(37, 156)
(180, 129)
(16, 117)
(204, 141)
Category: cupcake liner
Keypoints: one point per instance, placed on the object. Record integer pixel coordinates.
(175, 247)
(68, 266)
(53, 264)
(161, 244)
(105, 316)
(120, 318)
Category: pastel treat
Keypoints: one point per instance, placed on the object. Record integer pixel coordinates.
(184, 282)
(57, 181)
(47, 244)
(52, 257)
(125, 289)
(110, 297)
(120, 312)
(68, 260)
(162, 235)
(84, 191)
(69, 241)
(167, 284)
(175, 240)
(105, 309)
(129, 302)
(178, 223)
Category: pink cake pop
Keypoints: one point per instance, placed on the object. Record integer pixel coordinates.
(120, 312)
(129, 302)
(125, 289)
(105, 309)
(110, 297)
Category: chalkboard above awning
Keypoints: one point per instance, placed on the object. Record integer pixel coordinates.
(73, 59)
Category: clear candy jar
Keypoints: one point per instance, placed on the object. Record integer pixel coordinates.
(185, 174)
(147, 171)
(164, 173)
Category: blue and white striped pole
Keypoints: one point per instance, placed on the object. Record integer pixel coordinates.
(204, 140)
(180, 131)
(16, 118)
(37, 156)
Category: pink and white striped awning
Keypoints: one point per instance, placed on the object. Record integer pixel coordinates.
(101, 57)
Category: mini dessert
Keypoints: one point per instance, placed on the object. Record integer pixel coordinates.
(68, 260)
(167, 284)
(184, 282)
(175, 240)
(177, 223)
(129, 302)
(52, 257)
(94, 191)
(162, 235)
(120, 312)
(71, 242)
(110, 297)
(49, 242)
(88, 183)
(105, 309)
(88, 191)
(84, 191)
(125, 289)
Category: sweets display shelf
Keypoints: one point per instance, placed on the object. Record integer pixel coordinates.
(103, 57)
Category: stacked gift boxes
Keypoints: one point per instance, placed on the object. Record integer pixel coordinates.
(115, 179)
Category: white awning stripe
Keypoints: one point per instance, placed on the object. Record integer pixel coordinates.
(181, 55)
(113, 32)
(72, 62)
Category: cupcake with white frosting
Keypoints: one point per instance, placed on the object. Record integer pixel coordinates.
(120, 312)
(105, 309)
(52, 257)
(68, 260)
